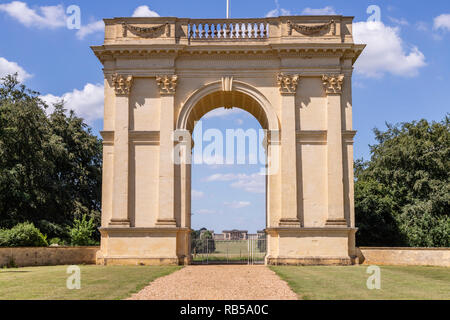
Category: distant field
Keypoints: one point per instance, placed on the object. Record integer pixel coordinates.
(97, 282)
(397, 282)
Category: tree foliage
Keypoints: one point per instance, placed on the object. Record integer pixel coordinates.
(22, 235)
(50, 165)
(202, 241)
(82, 231)
(402, 195)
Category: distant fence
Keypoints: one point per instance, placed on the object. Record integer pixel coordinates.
(248, 251)
(404, 256)
(47, 256)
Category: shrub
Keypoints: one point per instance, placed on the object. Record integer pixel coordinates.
(3, 237)
(23, 235)
(82, 231)
(57, 241)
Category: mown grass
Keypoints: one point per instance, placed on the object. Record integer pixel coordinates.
(349, 282)
(97, 282)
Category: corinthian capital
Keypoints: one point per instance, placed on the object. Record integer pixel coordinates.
(167, 84)
(122, 84)
(333, 83)
(287, 83)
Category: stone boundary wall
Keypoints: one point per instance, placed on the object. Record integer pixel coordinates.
(404, 256)
(47, 256)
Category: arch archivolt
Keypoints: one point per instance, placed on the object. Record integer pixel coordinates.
(212, 96)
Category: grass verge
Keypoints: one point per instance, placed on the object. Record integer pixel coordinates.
(97, 282)
(349, 282)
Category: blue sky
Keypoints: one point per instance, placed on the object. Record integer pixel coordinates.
(402, 76)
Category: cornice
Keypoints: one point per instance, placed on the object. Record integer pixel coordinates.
(304, 230)
(121, 230)
(114, 51)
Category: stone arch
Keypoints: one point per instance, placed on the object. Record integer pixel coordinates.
(241, 95)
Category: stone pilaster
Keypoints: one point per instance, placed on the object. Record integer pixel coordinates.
(288, 87)
(166, 214)
(122, 86)
(333, 88)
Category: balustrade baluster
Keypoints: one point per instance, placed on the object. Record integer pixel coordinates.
(203, 30)
(221, 31)
(227, 30)
(197, 31)
(215, 30)
(209, 30)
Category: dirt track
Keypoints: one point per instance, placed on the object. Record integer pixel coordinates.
(221, 282)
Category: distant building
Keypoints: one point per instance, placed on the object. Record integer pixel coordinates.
(235, 234)
(238, 235)
(219, 236)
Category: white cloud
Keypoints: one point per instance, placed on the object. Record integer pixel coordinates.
(87, 103)
(278, 11)
(97, 26)
(442, 22)
(237, 204)
(272, 13)
(53, 17)
(204, 211)
(10, 67)
(42, 17)
(328, 10)
(196, 194)
(144, 11)
(421, 26)
(222, 112)
(385, 51)
(253, 183)
(402, 21)
(222, 177)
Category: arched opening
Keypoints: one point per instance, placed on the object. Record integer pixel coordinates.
(227, 100)
(227, 183)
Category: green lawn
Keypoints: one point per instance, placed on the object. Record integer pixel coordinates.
(397, 282)
(97, 282)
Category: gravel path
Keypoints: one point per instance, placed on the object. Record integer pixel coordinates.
(218, 283)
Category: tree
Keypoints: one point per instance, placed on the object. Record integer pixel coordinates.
(402, 195)
(82, 231)
(202, 241)
(50, 165)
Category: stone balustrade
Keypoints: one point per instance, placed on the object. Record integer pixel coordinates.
(167, 30)
(223, 29)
